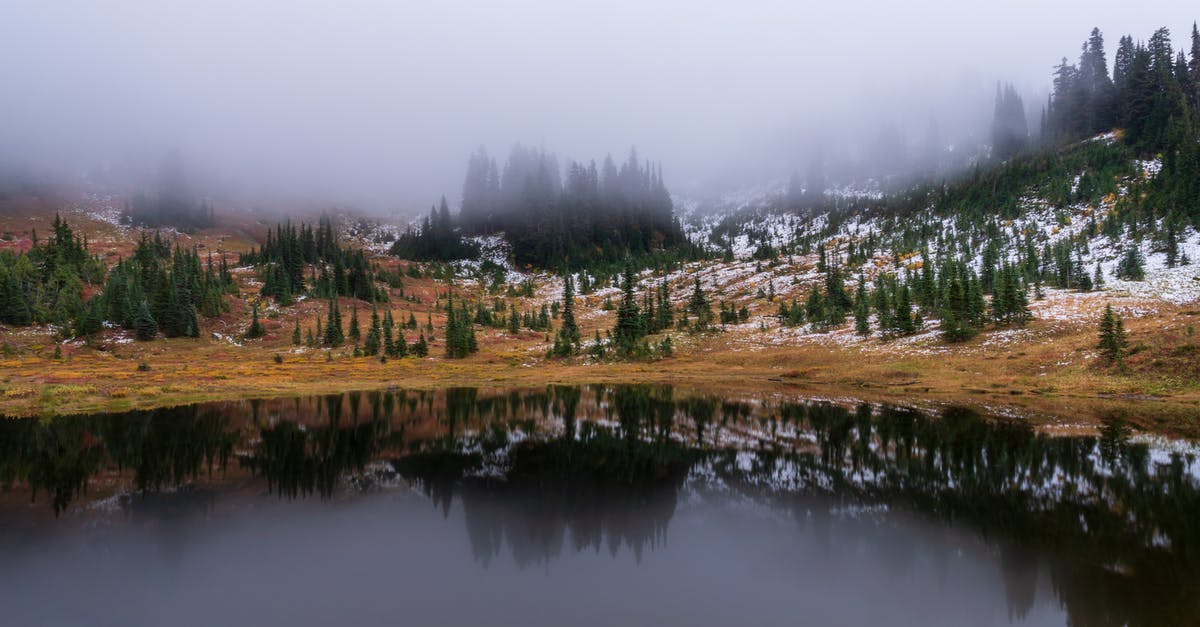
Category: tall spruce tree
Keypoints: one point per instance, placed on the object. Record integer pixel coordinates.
(567, 341)
(1112, 336)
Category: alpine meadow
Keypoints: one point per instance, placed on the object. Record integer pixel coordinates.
(836, 314)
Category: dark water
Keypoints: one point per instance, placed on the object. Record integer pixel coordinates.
(589, 506)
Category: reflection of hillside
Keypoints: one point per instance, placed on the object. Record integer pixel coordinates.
(1115, 523)
(600, 490)
(162, 448)
(1108, 523)
(299, 460)
(1108, 518)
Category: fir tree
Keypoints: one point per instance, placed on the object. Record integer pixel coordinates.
(700, 307)
(905, 319)
(567, 341)
(354, 333)
(862, 309)
(460, 330)
(144, 324)
(514, 320)
(1112, 336)
(255, 330)
(628, 328)
(388, 328)
(372, 344)
(334, 335)
(92, 320)
(1131, 267)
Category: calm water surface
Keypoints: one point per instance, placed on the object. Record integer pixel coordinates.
(589, 506)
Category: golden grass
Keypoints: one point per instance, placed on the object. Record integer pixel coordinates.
(1160, 389)
(1011, 381)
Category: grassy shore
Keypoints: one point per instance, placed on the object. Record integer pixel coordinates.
(1048, 371)
(1012, 382)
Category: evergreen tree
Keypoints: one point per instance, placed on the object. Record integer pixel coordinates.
(354, 333)
(628, 329)
(92, 320)
(567, 341)
(400, 346)
(438, 239)
(700, 307)
(514, 320)
(371, 346)
(906, 321)
(1009, 129)
(460, 330)
(144, 323)
(14, 308)
(388, 327)
(862, 309)
(1112, 336)
(1131, 266)
(256, 329)
(334, 335)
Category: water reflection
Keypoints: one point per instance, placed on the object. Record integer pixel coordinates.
(1107, 523)
(163, 448)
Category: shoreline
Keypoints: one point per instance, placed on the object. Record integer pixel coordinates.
(1066, 400)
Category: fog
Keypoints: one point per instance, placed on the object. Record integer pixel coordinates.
(377, 105)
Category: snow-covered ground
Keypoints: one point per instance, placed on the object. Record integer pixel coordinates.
(744, 221)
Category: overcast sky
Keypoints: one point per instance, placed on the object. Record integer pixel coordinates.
(379, 103)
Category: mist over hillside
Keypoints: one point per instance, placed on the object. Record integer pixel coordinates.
(376, 106)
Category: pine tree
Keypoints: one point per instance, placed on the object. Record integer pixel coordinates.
(1009, 129)
(514, 320)
(628, 327)
(14, 308)
(400, 346)
(906, 321)
(665, 313)
(388, 327)
(1131, 267)
(333, 325)
(92, 320)
(699, 306)
(1112, 336)
(296, 339)
(144, 324)
(862, 309)
(460, 330)
(354, 333)
(256, 329)
(372, 344)
(567, 341)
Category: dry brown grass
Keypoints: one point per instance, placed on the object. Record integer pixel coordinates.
(1014, 381)
(1047, 375)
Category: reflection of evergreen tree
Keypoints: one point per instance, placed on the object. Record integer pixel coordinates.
(605, 487)
(164, 448)
(168, 447)
(299, 461)
(1113, 520)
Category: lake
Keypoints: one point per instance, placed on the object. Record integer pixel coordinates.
(593, 505)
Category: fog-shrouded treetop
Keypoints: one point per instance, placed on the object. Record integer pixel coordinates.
(373, 104)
